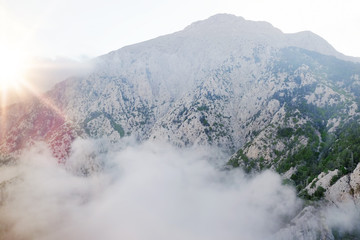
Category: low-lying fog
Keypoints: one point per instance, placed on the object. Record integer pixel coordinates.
(148, 191)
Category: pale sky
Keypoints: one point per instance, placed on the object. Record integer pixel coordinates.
(80, 29)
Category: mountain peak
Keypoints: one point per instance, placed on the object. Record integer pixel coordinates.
(226, 17)
(229, 21)
(218, 18)
(313, 42)
(228, 26)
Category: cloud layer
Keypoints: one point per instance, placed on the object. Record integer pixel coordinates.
(147, 191)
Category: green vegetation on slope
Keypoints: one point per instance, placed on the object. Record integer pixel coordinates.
(322, 151)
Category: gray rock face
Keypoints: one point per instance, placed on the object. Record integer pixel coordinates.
(322, 180)
(355, 183)
(346, 188)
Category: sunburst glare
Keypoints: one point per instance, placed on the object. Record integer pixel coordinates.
(13, 64)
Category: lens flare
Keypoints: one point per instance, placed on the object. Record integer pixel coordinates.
(12, 67)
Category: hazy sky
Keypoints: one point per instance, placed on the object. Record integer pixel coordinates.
(87, 28)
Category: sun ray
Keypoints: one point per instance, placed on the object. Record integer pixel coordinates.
(43, 99)
(18, 49)
(3, 116)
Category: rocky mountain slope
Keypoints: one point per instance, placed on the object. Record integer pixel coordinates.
(202, 85)
(288, 102)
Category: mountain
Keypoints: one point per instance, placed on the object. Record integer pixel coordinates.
(288, 102)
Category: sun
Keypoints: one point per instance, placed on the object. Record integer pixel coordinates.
(12, 69)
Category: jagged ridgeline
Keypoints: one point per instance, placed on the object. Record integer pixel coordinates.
(317, 127)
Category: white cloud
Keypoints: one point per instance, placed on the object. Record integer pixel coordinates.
(138, 192)
(344, 218)
(43, 74)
